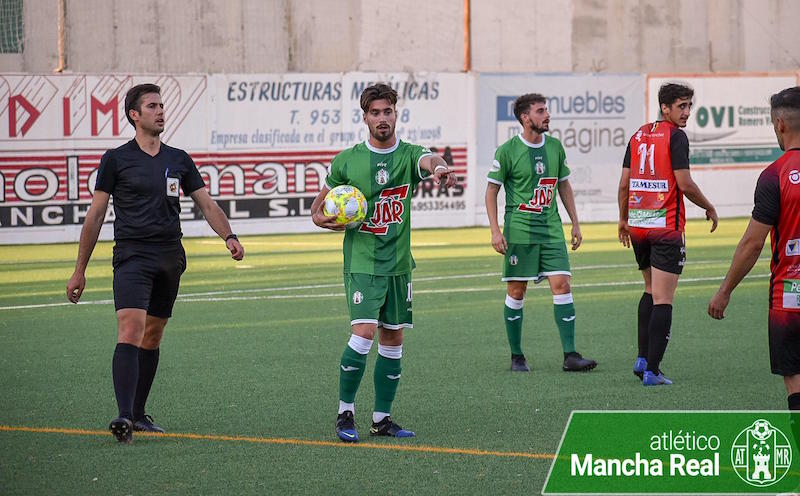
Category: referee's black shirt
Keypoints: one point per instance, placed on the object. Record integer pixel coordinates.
(145, 190)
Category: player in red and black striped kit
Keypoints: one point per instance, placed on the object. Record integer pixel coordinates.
(776, 211)
(655, 178)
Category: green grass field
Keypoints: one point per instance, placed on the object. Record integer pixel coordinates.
(249, 368)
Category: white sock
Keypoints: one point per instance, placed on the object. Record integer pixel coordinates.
(562, 299)
(343, 407)
(513, 303)
(359, 345)
(393, 352)
(378, 416)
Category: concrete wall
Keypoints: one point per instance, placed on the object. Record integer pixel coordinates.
(182, 36)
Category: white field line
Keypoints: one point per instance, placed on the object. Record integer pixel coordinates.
(212, 296)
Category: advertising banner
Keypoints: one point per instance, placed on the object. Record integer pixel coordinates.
(592, 115)
(670, 452)
(731, 138)
(261, 142)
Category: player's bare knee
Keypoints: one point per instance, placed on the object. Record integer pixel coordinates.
(390, 337)
(516, 289)
(366, 331)
(561, 288)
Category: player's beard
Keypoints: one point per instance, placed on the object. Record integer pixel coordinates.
(539, 130)
(382, 135)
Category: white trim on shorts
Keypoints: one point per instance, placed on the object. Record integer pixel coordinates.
(395, 327)
(364, 321)
(538, 279)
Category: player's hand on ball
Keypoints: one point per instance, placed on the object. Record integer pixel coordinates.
(75, 287)
(326, 221)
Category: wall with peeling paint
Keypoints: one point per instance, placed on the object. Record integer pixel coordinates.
(257, 36)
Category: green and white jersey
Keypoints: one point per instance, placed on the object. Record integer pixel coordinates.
(530, 173)
(382, 244)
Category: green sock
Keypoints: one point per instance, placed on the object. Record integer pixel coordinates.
(351, 371)
(565, 320)
(387, 377)
(513, 319)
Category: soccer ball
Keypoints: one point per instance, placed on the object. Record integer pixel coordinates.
(347, 203)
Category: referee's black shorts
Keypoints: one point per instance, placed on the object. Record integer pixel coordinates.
(147, 276)
(784, 342)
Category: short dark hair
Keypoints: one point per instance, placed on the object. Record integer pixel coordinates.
(786, 99)
(378, 91)
(133, 99)
(524, 102)
(670, 93)
(787, 104)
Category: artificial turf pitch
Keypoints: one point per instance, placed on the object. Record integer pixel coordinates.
(247, 383)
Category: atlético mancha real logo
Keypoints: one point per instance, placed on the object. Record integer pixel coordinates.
(761, 454)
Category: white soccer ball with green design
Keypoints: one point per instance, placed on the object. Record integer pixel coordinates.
(348, 204)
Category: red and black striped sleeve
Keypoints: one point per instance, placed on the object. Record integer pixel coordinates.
(767, 198)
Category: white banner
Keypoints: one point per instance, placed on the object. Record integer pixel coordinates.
(261, 142)
(593, 116)
(730, 134)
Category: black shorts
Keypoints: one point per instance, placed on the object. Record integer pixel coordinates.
(147, 276)
(663, 249)
(784, 342)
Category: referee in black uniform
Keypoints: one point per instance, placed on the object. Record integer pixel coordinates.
(144, 176)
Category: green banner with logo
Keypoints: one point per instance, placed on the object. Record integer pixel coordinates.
(663, 452)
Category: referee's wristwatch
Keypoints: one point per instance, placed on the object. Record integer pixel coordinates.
(231, 236)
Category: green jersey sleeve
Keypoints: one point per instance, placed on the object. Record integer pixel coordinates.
(337, 172)
(497, 172)
(417, 153)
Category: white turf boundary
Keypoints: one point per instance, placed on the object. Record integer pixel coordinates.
(246, 294)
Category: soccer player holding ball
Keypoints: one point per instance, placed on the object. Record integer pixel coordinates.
(377, 255)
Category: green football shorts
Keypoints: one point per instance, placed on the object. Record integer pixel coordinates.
(381, 300)
(524, 262)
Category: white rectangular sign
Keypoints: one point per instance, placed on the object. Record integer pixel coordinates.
(730, 133)
(262, 142)
(592, 115)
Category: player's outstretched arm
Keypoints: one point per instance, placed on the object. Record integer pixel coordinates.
(692, 191)
(218, 221)
(568, 198)
(744, 258)
(498, 240)
(437, 167)
(89, 233)
(623, 230)
(319, 218)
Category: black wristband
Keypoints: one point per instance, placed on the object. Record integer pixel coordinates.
(232, 236)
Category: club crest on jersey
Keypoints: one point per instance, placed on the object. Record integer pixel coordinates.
(542, 196)
(382, 177)
(794, 176)
(539, 168)
(389, 210)
(357, 297)
(512, 260)
(793, 248)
